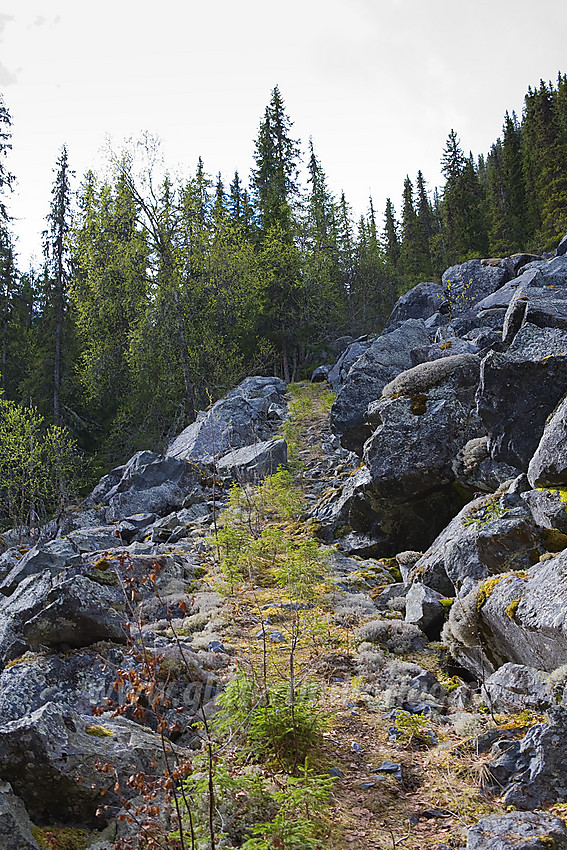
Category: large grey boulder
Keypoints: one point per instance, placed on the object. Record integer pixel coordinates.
(340, 512)
(548, 508)
(238, 420)
(515, 687)
(518, 617)
(424, 609)
(518, 390)
(338, 373)
(420, 302)
(426, 415)
(254, 463)
(80, 680)
(54, 556)
(49, 758)
(466, 284)
(74, 612)
(533, 771)
(548, 466)
(501, 298)
(518, 831)
(487, 537)
(15, 824)
(385, 358)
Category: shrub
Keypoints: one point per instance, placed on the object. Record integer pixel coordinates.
(277, 721)
(39, 466)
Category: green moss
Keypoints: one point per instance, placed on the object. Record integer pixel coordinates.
(60, 837)
(486, 589)
(418, 404)
(561, 492)
(392, 566)
(102, 564)
(554, 540)
(447, 602)
(512, 608)
(98, 731)
(104, 576)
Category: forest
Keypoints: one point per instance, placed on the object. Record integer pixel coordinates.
(156, 294)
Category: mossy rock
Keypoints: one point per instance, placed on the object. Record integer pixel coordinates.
(554, 540)
(60, 837)
(98, 731)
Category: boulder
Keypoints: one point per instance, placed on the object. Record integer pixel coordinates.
(515, 687)
(49, 758)
(420, 302)
(53, 556)
(238, 420)
(466, 284)
(548, 466)
(151, 483)
(533, 771)
(548, 508)
(424, 609)
(486, 537)
(518, 617)
(79, 680)
(385, 358)
(77, 612)
(518, 831)
(254, 463)
(320, 374)
(15, 824)
(426, 416)
(338, 373)
(72, 611)
(518, 390)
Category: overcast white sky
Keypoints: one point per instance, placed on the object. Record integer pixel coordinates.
(378, 84)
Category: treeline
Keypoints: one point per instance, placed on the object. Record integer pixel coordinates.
(157, 294)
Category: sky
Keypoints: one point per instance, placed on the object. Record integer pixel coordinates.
(377, 84)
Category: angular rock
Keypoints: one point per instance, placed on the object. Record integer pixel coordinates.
(320, 374)
(424, 609)
(518, 831)
(519, 389)
(427, 415)
(79, 680)
(77, 612)
(254, 463)
(15, 824)
(485, 538)
(238, 420)
(421, 302)
(49, 759)
(53, 556)
(338, 373)
(515, 687)
(548, 508)
(534, 771)
(385, 358)
(74, 611)
(470, 282)
(548, 466)
(518, 617)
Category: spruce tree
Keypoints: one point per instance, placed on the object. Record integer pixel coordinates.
(274, 178)
(57, 259)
